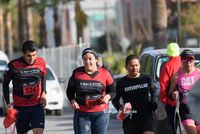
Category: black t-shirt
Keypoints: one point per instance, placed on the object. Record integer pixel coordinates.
(136, 91)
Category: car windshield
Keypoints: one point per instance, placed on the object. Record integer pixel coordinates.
(3, 63)
(163, 60)
(1, 75)
(49, 75)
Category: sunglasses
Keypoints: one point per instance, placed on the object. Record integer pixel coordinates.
(189, 60)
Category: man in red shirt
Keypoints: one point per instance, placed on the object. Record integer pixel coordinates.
(168, 69)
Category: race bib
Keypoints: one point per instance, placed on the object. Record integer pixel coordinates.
(30, 88)
(93, 100)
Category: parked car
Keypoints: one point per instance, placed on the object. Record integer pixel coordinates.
(3, 63)
(151, 64)
(55, 95)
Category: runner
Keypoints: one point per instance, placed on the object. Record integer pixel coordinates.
(89, 90)
(29, 89)
(135, 88)
(168, 69)
(184, 79)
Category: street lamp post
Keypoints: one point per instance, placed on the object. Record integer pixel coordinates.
(179, 23)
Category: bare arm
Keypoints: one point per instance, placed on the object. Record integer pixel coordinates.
(199, 72)
(173, 85)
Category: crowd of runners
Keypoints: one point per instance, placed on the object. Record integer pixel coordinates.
(91, 87)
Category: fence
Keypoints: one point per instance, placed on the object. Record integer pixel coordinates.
(63, 60)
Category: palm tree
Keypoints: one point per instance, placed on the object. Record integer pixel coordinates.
(81, 20)
(21, 23)
(159, 22)
(2, 41)
(54, 4)
(7, 6)
(40, 7)
(28, 21)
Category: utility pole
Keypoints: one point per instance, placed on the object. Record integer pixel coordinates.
(108, 40)
(179, 23)
(121, 27)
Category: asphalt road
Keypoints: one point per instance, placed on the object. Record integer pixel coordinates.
(64, 124)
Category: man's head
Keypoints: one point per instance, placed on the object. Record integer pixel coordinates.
(133, 66)
(173, 50)
(29, 51)
(187, 58)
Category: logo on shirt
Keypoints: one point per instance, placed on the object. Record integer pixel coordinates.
(139, 86)
(91, 84)
(187, 81)
(30, 71)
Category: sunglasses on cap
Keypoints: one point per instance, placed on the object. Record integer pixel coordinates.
(188, 60)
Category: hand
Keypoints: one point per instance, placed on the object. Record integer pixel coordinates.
(175, 95)
(105, 99)
(74, 105)
(153, 105)
(8, 107)
(43, 100)
(121, 109)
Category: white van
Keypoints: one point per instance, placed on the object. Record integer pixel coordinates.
(3, 63)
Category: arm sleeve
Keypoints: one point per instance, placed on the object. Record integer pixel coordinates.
(111, 90)
(44, 84)
(164, 82)
(8, 74)
(71, 90)
(6, 90)
(115, 101)
(110, 86)
(153, 91)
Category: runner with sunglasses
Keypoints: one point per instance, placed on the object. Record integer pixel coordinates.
(184, 79)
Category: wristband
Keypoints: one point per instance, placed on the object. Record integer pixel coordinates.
(170, 96)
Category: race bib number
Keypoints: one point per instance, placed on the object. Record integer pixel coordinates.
(30, 88)
(92, 101)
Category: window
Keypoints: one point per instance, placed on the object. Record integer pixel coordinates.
(1, 75)
(161, 62)
(143, 63)
(49, 75)
(3, 63)
(149, 65)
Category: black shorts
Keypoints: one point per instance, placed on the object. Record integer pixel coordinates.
(29, 118)
(186, 116)
(139, 127)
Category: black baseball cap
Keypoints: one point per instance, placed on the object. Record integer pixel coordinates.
(90, 50)
(187, 53)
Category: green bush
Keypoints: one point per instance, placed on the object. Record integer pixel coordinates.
(117, 61)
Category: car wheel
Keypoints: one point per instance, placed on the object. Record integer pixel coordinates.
(178, 128)
(58, 112)
(48, 112)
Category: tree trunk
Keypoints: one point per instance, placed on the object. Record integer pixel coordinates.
(21, 24)
(57, 29)
(28, 21)
(2, 41)
(9, 36)
(43, 38)
(159, 23)
(79, 31)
